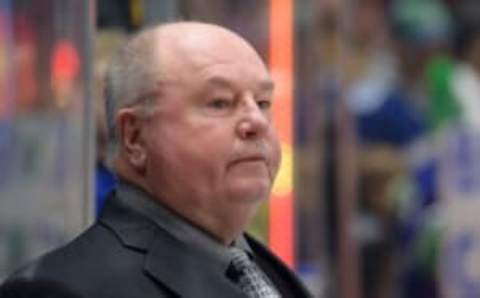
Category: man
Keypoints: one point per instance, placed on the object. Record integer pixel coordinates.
(189, 105)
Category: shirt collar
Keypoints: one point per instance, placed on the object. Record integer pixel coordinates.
(138, 200)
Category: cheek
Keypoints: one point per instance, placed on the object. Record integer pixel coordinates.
(276, 153)
(190, 156)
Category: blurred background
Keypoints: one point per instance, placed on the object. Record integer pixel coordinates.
(378, 110)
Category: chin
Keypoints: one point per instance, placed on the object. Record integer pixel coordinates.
(251, 192)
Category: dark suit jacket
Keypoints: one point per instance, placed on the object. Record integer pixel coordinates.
(124, 254)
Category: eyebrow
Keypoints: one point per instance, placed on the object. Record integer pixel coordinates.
(264, 85)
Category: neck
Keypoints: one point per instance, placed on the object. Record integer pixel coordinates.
(231, 226)
(225, 228)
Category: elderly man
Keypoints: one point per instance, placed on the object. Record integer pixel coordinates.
(189, 108)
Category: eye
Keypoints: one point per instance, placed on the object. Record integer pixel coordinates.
(264, 104)
(220, 103)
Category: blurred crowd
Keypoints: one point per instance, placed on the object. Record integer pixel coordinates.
(412, 72)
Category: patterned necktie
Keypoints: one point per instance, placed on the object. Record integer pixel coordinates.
(250, 278)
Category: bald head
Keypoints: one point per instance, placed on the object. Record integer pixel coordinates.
(197, 43)
(161, 54)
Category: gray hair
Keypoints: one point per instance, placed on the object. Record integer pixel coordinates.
(132, 74)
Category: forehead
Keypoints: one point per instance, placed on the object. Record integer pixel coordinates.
(224, 81)
(215, 55)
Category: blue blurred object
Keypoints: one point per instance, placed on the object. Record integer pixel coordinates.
(105, 182)
(395, 122)
(426, 179)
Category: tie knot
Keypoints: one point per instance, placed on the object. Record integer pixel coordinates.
(251, 280)
(240, 260)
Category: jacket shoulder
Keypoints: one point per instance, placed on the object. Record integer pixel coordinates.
(20, 288)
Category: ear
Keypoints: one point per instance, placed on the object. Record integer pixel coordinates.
(131, 135)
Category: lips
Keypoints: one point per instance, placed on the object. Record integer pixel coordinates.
(248, 158)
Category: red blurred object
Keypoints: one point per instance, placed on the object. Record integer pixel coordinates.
(65, 66)
(25, 63)
(65, 61)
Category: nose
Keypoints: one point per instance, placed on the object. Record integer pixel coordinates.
(253, 122)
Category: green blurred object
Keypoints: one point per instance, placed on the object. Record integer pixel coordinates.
(442, 106)
(428, 247)
(421, 21)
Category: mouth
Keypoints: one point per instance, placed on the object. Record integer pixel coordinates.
(248, 159)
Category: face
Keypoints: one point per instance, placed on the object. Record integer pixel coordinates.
(211, 146)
